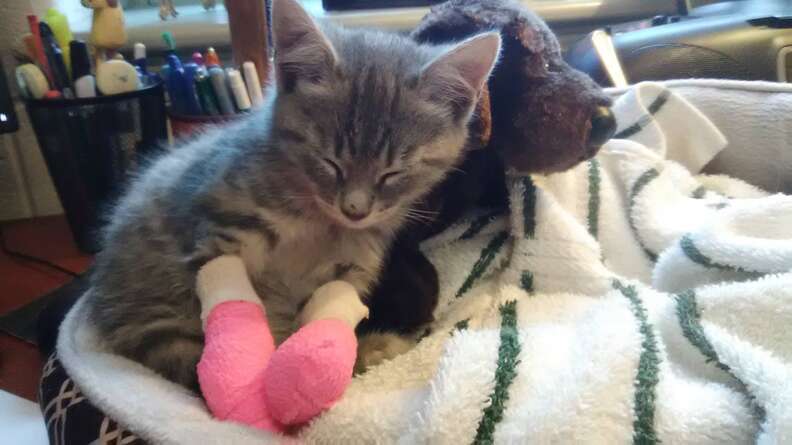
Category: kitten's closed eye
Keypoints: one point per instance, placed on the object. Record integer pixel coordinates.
(333, 168)
(389, 178)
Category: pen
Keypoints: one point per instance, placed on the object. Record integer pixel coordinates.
(84, 82)
(41, 58)
(253, 84)
(63, 35)
(57, 65)
(220, 87)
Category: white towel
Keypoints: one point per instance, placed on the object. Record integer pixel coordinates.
(631, 299)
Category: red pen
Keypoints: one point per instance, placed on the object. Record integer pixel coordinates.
(33, 21)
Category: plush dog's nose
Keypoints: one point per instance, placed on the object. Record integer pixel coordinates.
(603, 126)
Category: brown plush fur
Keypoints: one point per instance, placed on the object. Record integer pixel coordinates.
(541, 114)
(541, 107)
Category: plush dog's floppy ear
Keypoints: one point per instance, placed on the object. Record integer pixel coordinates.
(302, 51)
(456, 78)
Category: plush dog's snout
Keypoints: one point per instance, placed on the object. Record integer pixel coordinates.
(603, 126)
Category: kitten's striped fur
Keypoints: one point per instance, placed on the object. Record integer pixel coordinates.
(365, 103)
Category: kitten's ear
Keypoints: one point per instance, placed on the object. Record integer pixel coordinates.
(302, 52)
(456, 78)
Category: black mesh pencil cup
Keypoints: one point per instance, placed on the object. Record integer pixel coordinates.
(91, 146)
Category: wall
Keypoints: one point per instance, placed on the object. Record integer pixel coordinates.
(25, 186)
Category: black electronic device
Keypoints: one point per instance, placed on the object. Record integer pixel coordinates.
(745, 40)
(8, 117)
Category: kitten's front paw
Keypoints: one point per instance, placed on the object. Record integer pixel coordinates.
(375, 348)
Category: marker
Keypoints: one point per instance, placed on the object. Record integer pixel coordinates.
(63, 35)
(190, 94)
(57, 65)
(139, 58)
(253, 84)
(41, 58)
(220, 87)
(211, 58)
(140, 62)
(238, 89)
(84, 82)
(206, 96)
(181, 87)
(169, 42)
(198, 60)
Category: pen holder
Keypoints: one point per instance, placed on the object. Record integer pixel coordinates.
(91, 146)
(185, 126)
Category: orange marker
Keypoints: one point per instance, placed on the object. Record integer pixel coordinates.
(41, 57)
(211, 57)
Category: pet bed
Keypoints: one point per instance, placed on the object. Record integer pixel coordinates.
(631, 299)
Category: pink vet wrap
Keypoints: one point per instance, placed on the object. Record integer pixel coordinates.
(238, 346)
(244, 379)
(310, 371)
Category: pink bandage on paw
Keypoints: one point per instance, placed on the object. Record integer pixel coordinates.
(232, 368)
(310, 371)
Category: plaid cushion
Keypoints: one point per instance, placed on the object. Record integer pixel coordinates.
(70, 417)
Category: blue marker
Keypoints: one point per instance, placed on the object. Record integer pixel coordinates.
(139, 60)
(181, 87)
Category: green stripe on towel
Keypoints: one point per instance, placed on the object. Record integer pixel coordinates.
(694, 254)
(506, 370)
(529, 208)
(527, 281)
(648, 368)
(480, 223)
(644, 120)
(689, 318)
(640, 183)
(691, 251)
(487, 255)
(594, 181)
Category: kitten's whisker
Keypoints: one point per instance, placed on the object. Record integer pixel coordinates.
(426, 217)
(423, 212)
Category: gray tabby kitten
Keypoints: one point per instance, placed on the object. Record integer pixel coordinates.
(311, 188)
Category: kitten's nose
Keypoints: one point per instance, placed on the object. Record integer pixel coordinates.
(356, 205)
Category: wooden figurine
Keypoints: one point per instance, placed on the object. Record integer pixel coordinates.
(166, 9)
(108, 33)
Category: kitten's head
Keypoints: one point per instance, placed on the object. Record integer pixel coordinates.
(369, 121)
